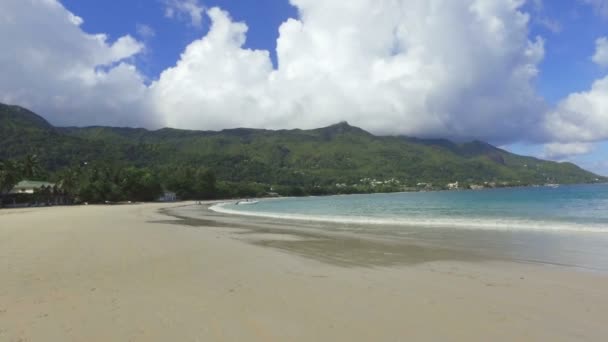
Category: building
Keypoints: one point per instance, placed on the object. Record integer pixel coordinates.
(34, 193)
(453, 186)
(29, 187)
(168, 196)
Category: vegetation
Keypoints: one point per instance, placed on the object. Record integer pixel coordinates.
(9, 175)
(111, 164)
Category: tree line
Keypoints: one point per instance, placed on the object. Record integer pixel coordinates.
(107, 181)
(14, 171)
(112, 181)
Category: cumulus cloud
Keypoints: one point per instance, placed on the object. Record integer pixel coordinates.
(190, 10)
(457, 69)
(583, 116)
(560, 151)
(460, 69)
(601, 53)
(51, 66)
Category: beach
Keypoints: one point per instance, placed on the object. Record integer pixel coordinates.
(149, 272)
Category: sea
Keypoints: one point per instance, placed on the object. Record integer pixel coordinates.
(565, 225)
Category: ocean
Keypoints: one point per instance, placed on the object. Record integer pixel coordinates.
(567, 225)
(573, 208)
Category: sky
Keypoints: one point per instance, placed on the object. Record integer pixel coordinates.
(530, 76)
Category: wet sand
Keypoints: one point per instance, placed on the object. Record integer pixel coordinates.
(151, 273)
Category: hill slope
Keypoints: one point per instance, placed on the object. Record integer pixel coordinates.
(336, 154)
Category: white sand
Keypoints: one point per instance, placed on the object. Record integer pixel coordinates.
(100, 273)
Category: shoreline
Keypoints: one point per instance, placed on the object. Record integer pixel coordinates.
(464, 224)
(100, 273)
(316, 242)
(446, 242)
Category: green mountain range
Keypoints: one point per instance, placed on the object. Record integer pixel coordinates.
(338, 155)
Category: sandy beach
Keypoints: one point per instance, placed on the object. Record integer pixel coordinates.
(144, 273)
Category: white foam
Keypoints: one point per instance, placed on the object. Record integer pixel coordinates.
(457, 223)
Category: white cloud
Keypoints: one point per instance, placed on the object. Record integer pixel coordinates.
(583, 116)
(445, 68)
(76, 20)
(123, 48)
(216, 84)
(564, 151)
(191, 10)
(145, 31)
(51, 66)
(601, 53)
(458, 69)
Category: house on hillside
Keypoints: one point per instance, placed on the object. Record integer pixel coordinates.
(453, 186)
(30, 187)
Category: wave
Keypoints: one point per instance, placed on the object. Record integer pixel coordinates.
(456, 223)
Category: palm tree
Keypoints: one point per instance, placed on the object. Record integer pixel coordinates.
(31, 167)
(10, 174)
(70, 180)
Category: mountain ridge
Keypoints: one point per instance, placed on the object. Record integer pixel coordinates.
(336, 154)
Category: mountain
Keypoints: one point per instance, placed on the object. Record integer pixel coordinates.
(326, 156)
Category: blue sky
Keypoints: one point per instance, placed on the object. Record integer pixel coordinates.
(519, 74)
(119, 18)
(567, 66)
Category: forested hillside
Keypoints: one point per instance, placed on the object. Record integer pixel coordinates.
(332, 158)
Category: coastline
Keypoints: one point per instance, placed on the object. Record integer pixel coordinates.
(465, 224)
(101, 273)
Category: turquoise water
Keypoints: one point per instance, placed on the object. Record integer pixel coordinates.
(560, 226)
(568, 208)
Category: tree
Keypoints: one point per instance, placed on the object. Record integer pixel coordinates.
(181, 180)
(70, 181)
(98, 184)
(30, 166)
(10, 175)
(139, 185)
(205, 184)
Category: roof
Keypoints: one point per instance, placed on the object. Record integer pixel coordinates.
(26, 184)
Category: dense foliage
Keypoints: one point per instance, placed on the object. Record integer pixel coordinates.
(10, 174)
(133, 164)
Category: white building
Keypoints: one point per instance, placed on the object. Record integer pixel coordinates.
(29, 187)
(168, 196)
(453, 186)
